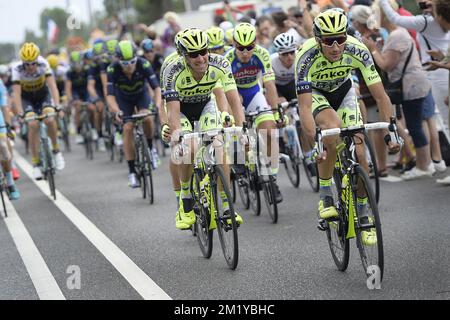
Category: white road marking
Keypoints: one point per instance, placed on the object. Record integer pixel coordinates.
(43, 280)
(137, 278)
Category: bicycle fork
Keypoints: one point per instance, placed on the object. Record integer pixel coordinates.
(347, 198)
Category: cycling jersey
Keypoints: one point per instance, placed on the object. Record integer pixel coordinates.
(313, 70)
(331, 83)
(180, 85)
(79, 83)
(94, 72)
(171, 57)
(284, 78)
(60, 77)
(33, 85)
(119, 83)
(246, 74)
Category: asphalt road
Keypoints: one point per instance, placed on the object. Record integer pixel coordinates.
(288, 260)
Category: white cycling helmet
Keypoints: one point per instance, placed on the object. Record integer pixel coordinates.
(284, 42)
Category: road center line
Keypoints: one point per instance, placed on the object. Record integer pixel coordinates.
(137, 278)
(43, 280)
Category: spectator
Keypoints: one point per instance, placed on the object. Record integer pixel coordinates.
(171, 30)
(416, 87)
(264, 31)
(432, 37)
(284, 25)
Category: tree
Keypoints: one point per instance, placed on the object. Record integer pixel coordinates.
(151, 10)
(60, 17)
(7, 53)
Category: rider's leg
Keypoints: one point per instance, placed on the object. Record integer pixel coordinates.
(128, 145)
(100, 107)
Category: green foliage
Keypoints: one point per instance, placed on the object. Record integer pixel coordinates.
(7, 53)
(411, 6)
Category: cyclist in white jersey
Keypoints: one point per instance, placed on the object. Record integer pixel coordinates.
(283, 66)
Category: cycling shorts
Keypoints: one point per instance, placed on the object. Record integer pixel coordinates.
(208, 118)
(37, 105)
(287, 91)
(127, 104)
(344, 101)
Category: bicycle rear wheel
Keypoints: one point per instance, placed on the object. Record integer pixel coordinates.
(369, 238)
(311, 170)
(2, 191)
(270, 198)
(291, 164)
(49, 169)
(147, 171)
(88, 141)
(225, 217)
(373, 168)
(253, 191)
(337, 228)
(203, 217)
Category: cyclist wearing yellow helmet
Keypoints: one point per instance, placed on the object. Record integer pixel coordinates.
(248, 61)
(188, 83)
(35, 92)
(216, 40)
(59, 72)
(326, 95)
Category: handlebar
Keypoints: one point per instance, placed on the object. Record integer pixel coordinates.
(211, 133)
(40, 117)
(139, 116)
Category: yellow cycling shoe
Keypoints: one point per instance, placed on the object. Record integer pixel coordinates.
(327, 209)
(188, 217)
(369, 238)
(179, 223)
(238, 218)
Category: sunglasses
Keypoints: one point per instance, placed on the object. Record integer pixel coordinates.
(285, 54)
(329, 42)
(195, 54)
(29, 64)
(128, 62)
(250, 47)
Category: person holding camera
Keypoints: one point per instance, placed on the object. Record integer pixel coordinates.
(432, 37)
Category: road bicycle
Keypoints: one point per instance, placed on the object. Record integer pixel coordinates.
(293, 153)
(46, 155)
(143, 155)
(213, 206)
(355, 202)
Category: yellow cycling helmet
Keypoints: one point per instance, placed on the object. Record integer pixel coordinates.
(53, 61)
(216, 37)
(330, 22)
(192, 40)
(244, 34)
(29, 52)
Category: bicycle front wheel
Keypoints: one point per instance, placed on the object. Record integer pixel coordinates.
(202, 229)
(369, 238)
(373, 167)
(337, 228)
(253, 191)
(49, 169)
(225, 217)
(291, 164)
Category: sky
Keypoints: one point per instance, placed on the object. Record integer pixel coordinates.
(18, 15)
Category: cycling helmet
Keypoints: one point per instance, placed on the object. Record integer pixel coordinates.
(229, 36)
(111, 46)
(192, 40)
(216, 37)
(147, 45)
(99, 47)
(244, 34)
(75, 57)
(53, 61)
(284, 42)
(88, 54)
(29, 52)
(126, 50)
(330, 22)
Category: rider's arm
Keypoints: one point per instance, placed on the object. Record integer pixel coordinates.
(91, 88)
(173, 112)
(51, 83)
(68, 90)
(221, 99)
(110, 97)
(236, 106)
(271, 94)
(104, 79)
(152, 80)
(305, 113)
(17, 98)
